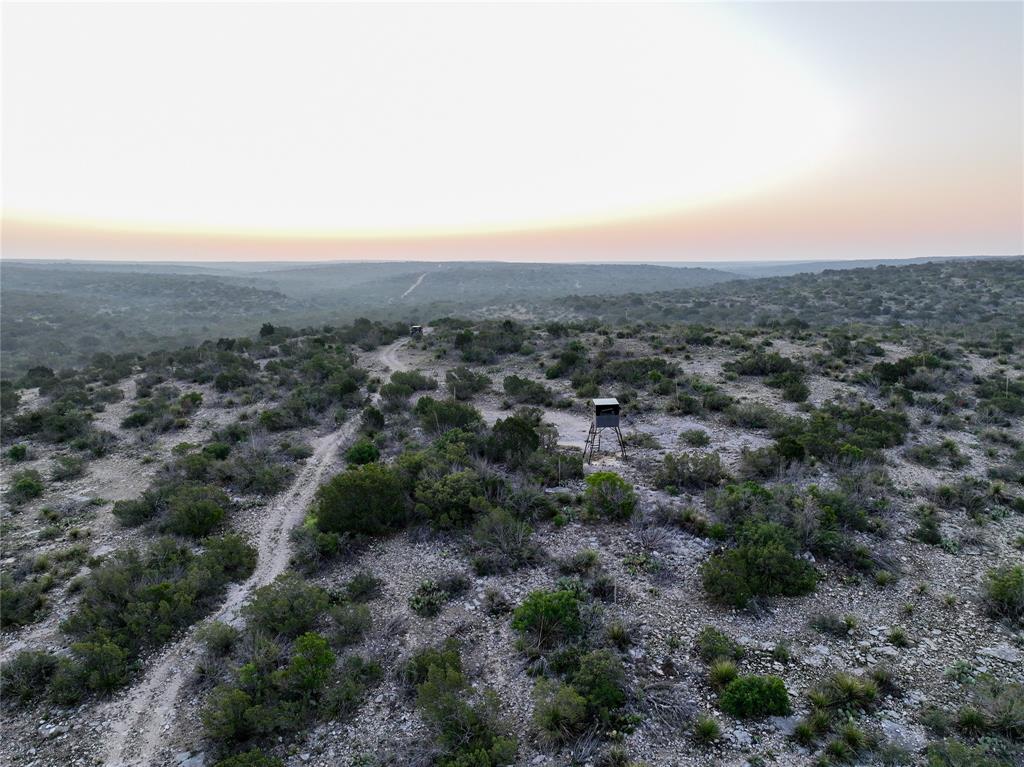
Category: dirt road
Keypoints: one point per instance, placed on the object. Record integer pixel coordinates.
(143, 718)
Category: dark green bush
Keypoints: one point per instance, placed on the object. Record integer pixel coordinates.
(17, 453)
(609, 496)
(22, 602)
(93, 668)
(414, 671)
(414, 379)
(523, 390)
(695, 437)
(451, 501)
(559, 712)
(463, 383)
(351, 622)
(364, 587)
(438, 416)
(134, 512)
(431, 595)
(67, 467)
(1004, 593)
(196, 510)
(546, 619)
(27, 675)
(25, 485)
(691, 471)
(764, 563)
(218, 638)
(363, 451)
(712, 644)
(288, 606)
(755, 696)
(367, 500)
(467, 732)
(503, 543)
(512, 440)
(761, 363)
(601, 680)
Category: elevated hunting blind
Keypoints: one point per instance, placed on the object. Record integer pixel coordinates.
(606, 416)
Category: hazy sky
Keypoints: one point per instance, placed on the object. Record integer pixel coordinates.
(658, 132)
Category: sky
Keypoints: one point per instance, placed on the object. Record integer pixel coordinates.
(754, 131)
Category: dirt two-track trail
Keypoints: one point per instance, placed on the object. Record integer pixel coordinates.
(141, 721)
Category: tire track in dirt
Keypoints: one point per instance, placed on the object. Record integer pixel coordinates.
(138, 731)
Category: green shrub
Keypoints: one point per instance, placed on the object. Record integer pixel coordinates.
(695, 438)
(363, 451)
(344, 696)
(225, 715)
(351, 623)
(712, 644)
(512, 440)
(503, 543)
(764, 563)
(430, 596)
(364, 587)
(466, 731)
(134, 512)
(546, 619)
(953, 753)
(139, 600)
(451, 501)
(762, 363)
(437, 416)
(218, 638)
(218, 451)
(609, 496)
(691, 470)
(195, 510)
(755, 696)
(288, 606)
(463, 383)
(834, 430)
(17, 453)
(559, 711)
(67, 467)
(524, 390)
(845, 692)
(721, 673)
(310, 667)
(94, 667)
(1004, 593)
(601, 680)
(25, 485)
(414, 379)
(414, 671)
(366, 500)
(27, 675)
(706, 730)
(22, 603)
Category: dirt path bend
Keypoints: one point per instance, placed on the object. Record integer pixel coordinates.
(388, 356)
(142, 720)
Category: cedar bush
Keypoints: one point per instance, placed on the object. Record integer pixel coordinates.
(750, 697)
(546, 619)
(364, 500)
(1004, 593)
(289, 606)
(764, 563)
(609, 496)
